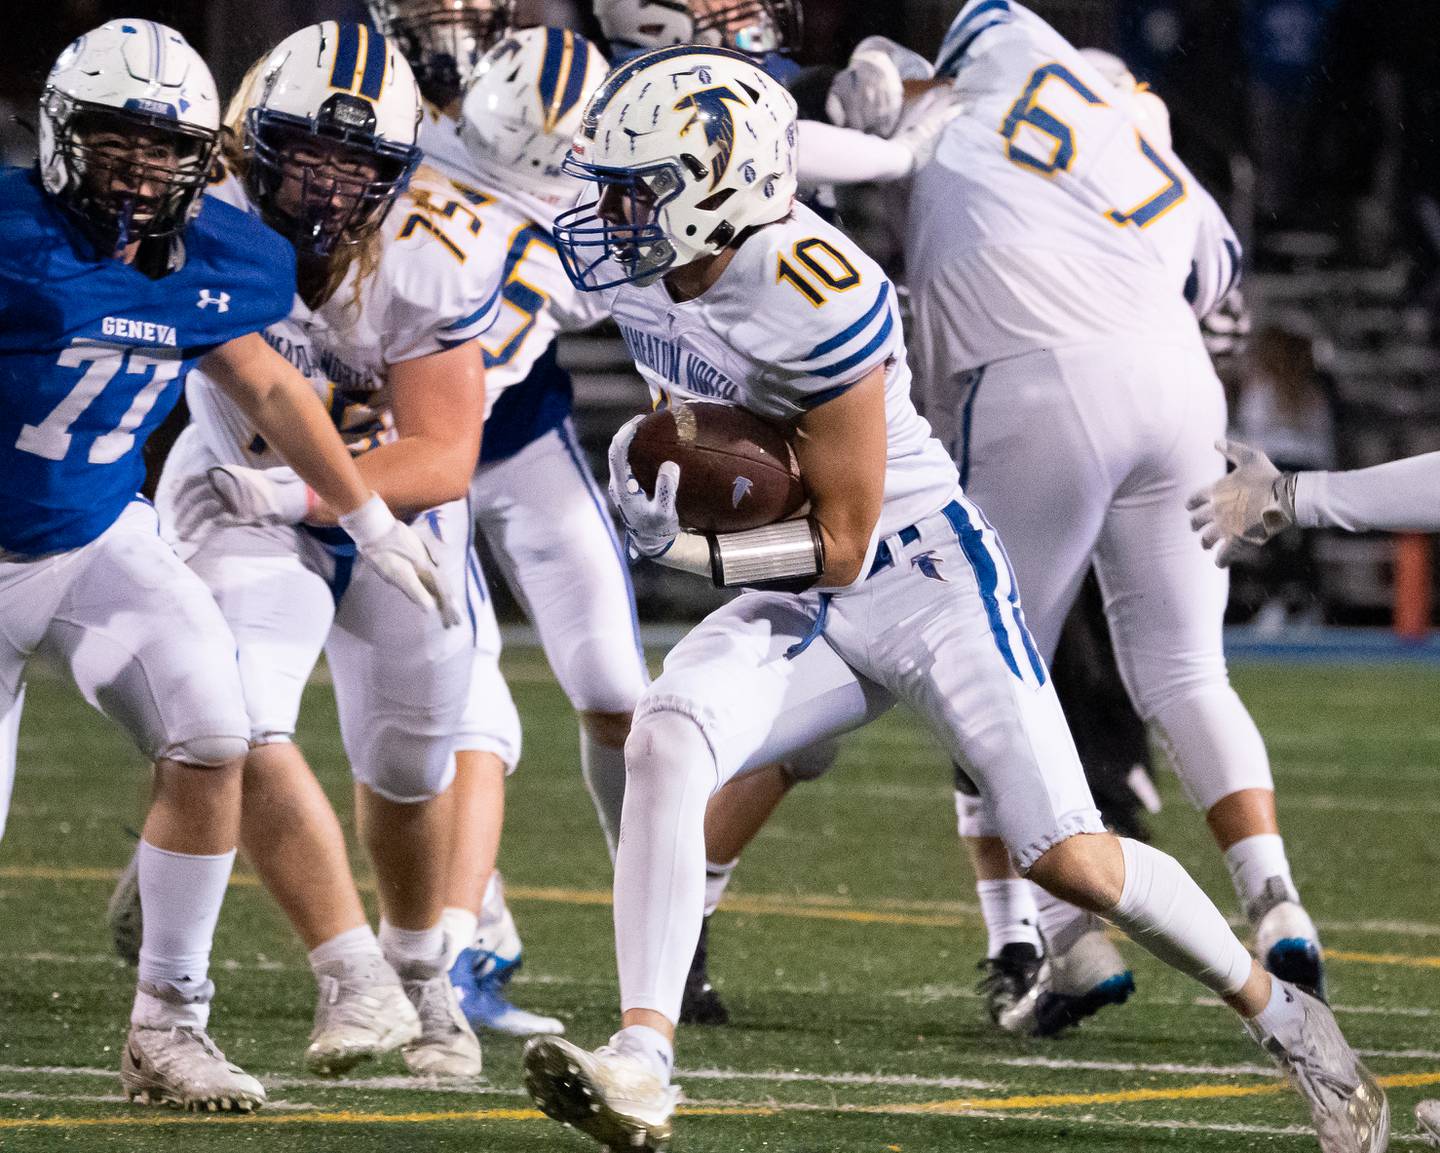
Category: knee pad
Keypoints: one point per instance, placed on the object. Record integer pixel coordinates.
(402, 766)
(811, 763)
(1213, 745)
(664, 743)
(206, 752)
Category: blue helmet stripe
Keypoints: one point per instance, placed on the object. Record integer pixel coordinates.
(550, 68)
(374, 67)
(575, 83)
(342, 76)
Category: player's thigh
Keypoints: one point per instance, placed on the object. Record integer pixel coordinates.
(955, 649)
(145, 643)
(401, 677)
(1030, 465)
(757, 692)
(552, 535)
(1164, 597)
(490, 722)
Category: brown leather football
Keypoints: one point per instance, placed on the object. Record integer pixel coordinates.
(737, 470)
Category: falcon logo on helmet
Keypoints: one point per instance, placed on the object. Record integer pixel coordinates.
(666, 194)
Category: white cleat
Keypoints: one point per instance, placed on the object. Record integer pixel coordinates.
(605, 1094)
(180, 1066)
(1077, 979)
(446, 1046)
(1347, 1105)
(361, 1011)
(1427, 1116)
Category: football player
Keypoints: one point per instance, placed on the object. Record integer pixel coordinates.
(1060, 358)
(893, 587)
(117, 278)
(396, 279)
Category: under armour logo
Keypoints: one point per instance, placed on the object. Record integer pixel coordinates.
(739, 489)
(221, 300)
(929, 565)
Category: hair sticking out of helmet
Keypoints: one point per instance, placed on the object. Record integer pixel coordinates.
(443, 39)
(754, 27)
(129, 125)
(523, 109)
(686, 147)
(329, 135)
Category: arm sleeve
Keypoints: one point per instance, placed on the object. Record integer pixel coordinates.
(1401, 496)
(830, 155)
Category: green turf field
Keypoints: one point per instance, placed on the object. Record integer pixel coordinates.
(846, 952)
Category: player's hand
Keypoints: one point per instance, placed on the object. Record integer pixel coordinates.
(651, 521)
(869, 94)
(232, 494)
(401, 557)
(1252, 503)
(924, 120)
(1226, 328)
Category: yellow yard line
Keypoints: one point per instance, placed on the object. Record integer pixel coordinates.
(1400, 959)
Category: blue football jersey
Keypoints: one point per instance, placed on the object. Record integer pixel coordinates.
(93, 354)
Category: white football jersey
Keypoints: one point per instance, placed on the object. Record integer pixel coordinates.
(1062, 224)
(798, 315)
(436, 286)
(538, 301)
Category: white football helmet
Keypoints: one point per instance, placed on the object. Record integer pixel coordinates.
(443, 39)
(129, 122)
(524, 108)
(754, 27)
(688, 147)
(329, 136)
(1149, 109)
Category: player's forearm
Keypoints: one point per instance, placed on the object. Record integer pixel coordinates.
(1403, 495)
(419, 472)
(830, 155)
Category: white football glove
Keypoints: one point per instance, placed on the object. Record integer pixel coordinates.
(924, 119)
(869, 93)
(1253, 503)
(401, 557)
(233, 494)
(651, 522)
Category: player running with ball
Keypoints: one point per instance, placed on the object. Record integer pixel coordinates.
(893, 587)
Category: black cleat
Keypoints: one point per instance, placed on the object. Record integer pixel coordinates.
(1007, 978)
(701, 1004)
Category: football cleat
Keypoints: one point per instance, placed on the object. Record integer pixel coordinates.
(122, 914)
(1427, 1116)
(1286, 940)
(605, 1094)
(700, 1004)
(361, 1011)
(446, 1046)
(1347, 1105)
(1073, 983)
(1007, 978)
(181, 1067)
(479, 986)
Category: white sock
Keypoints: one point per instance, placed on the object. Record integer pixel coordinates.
(180, 898)
(461, 927)
(1061, 923)
(1162, 909)
(717, 880)
(1011, 918)
(1252, 862)
(413, 948)
(357, 944)
(1283, 1014)
(496, 932)
(603, 768)
(660, 869)
(647, 1046)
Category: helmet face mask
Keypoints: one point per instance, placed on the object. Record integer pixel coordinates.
(754, 27)
(619, 237)
(131, 175)
(443, 39)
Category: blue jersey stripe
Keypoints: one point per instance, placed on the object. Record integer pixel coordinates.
(478, 314)
(374, 78)
(854, 330)
(816, 399)
(347, 52)
(987, 577)
(858, 357)
(950, 63)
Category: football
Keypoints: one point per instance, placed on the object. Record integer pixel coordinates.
(737, 471)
